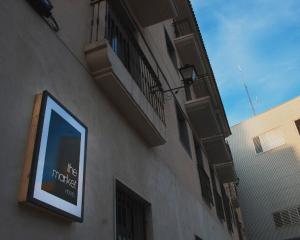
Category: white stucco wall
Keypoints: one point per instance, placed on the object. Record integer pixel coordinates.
(269, 181)
(32, 59)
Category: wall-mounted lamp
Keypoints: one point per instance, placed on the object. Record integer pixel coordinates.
(188, 74)
(43, 8)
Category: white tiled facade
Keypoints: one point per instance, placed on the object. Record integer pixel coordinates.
(269, 180)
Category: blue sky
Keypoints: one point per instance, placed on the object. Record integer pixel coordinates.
(259, 37)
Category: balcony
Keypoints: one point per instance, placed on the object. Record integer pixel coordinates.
(152, 12)
(186, 44)
(122, 71)
(226, 172)
(217, 150)
(203, 117)
(233, 196)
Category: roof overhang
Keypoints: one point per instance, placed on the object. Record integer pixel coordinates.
(151, 12)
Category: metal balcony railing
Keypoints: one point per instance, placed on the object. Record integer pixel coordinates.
(124, 44)
(182, 27)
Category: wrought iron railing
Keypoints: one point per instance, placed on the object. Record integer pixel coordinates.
(182, 27)
(124, 44)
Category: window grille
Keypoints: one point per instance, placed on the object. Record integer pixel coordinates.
(287, 217)
(130, 215)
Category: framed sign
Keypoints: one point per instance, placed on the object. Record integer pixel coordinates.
(55, 160)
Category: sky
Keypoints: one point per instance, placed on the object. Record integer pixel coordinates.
(255, 41)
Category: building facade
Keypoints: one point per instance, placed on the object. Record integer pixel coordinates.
(157, 164)
(266, 153)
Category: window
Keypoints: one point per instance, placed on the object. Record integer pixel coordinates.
(205, 186)
(288, 216)
(131, 213)
(203, 177)
(198, 152)
(217, 197)
(171, 49)
(239, 226)
(269, 140)
(197, 238)
(297, 122)
(183, 130)
(227, 209)
(257, 145)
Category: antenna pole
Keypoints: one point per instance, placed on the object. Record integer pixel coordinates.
(247, 92)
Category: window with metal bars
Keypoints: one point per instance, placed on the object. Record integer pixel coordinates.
(205, 186)
(227, 209)
(297, 123)
(203, 177)
(183, 129)
(286, 217)
(217, 197)
(131, 213)
(198, 152)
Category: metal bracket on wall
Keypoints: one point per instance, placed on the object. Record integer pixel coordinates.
(43, 8)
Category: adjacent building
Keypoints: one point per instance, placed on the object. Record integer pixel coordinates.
(137, 74)
(266, 153)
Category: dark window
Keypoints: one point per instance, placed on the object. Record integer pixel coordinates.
(257, 145)
(131, 214)
(227, 208)
(197, 238)
(239, 226)
(198, 152)
(203, 177)
(205, 186)
(171, 49)
(183, 130)
(277, 219)
(217, 197)
(298, 125)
